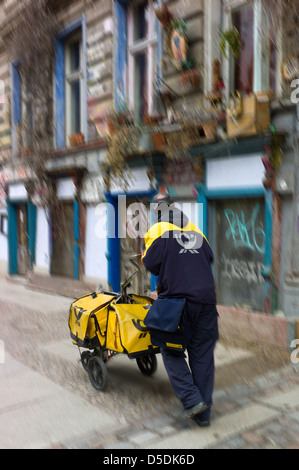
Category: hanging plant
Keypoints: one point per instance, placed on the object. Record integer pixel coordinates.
(164, 16)
(180, 26)
(230, 39)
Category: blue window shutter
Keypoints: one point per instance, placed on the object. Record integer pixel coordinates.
(16, 95)
(120, 53)
(59, 96)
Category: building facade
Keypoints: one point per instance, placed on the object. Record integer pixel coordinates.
(191, 97)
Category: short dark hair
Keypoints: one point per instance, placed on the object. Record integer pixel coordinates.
(163, 198)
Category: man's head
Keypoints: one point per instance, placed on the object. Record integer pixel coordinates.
(161, 202)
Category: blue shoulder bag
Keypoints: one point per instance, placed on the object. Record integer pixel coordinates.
(164, 319)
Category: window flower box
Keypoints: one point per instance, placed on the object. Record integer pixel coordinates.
(76, 139)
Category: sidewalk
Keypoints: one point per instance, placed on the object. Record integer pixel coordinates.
(36, 413)
(47, 401)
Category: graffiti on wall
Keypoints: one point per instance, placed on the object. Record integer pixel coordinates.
(246, 233)
(242, 245)
(235, 269)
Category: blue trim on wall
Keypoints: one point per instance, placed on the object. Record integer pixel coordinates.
(113, 244)
(12, 238)
(150, 194)
(70, 28)
(203, 214)
(16, 94)
(235, 193)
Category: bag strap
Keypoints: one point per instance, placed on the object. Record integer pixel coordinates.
(114, 331)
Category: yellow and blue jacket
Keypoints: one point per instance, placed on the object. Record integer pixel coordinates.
(178, 252)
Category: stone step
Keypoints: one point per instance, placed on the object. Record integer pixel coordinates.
(59, 285)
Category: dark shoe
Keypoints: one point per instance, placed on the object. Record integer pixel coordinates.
(201, 423)
(195, 410)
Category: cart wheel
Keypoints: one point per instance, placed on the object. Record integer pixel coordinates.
(147, 364)
(85, 356)
(97, 372)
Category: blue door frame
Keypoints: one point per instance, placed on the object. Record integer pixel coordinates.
(205, 195)
(76, 240)
(113, 241)
(13, 234)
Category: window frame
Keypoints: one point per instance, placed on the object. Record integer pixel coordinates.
(71, 77)
(145, 45)
(26, 116)
(60, 135)
(261, 72)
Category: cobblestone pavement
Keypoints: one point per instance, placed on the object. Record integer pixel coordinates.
(261, 380)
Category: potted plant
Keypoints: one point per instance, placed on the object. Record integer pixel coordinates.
(76, 139)
(191, 76)
(230, 39)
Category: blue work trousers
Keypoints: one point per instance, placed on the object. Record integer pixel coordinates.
(194, 383)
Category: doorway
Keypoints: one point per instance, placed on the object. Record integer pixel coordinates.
(22, 231)
(63, 241)
(132, 245)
